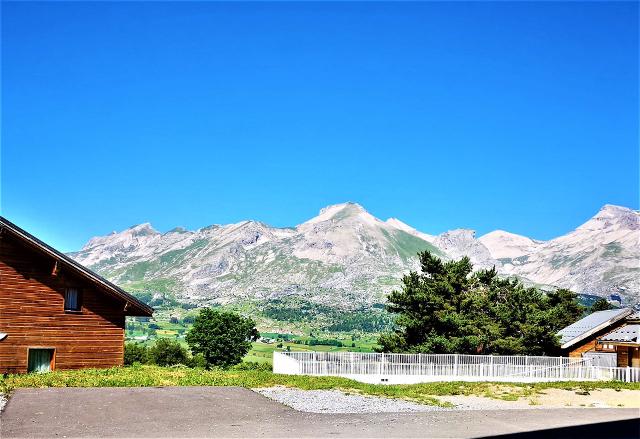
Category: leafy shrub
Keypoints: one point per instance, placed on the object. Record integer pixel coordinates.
(198, 361)
(167, 352)
(253, 365)
(135, 353)
(222, 337)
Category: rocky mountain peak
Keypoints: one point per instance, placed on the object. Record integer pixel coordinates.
(144, 229)
(342, 212)
(615, 210)
(347, 209)
(462, 242)
(502, 244)
(125, 237)
(345, 256)
(612, 216)
(504, 235)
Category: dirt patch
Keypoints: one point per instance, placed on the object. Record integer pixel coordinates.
(471, 402)
(592, 398)
(550, 398)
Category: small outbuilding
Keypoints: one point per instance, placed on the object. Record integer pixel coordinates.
(625, 341)
(55, 313)
(609, 338)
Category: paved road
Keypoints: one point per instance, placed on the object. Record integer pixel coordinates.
(237, 412)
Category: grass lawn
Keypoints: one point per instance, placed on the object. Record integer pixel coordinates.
(148, 376)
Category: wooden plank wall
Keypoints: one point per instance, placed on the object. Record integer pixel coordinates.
(589, 343)
(585, 346)
(32, 314)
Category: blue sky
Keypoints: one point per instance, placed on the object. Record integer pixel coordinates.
(515, 116)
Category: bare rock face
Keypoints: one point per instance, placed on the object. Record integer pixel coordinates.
(463, 242)
(600, 257)
(505, 245)
(345, 257)
(613, 217)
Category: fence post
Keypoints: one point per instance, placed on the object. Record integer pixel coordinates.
(628, 374)
(351, 361)
(455, 365)
(491, 366)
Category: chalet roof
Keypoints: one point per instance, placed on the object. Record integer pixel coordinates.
(634, 316)
(629, 333)
(590, 324)
(134, 306)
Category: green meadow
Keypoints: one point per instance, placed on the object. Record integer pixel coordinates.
(305, 338)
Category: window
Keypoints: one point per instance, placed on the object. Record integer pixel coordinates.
(72, 299)
(40, 360)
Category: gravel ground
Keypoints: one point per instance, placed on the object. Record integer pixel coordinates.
(335, 401)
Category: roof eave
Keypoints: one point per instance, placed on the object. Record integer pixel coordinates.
(140, 312)
(621, 343)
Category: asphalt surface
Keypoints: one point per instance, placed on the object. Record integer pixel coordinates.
(237, 412)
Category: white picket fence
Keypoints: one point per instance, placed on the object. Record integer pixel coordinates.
(415, 368)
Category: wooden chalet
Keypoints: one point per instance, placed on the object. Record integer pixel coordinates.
(55, 313)
(609, 338)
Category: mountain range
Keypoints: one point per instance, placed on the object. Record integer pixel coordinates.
(347, 258)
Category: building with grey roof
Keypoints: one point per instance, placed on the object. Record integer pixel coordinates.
(591, 324)
(624, 334)
(611, 337)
